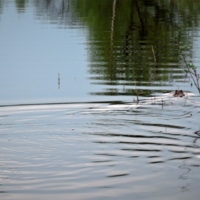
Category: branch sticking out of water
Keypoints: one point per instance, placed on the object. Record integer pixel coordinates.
(190, 69)
(154, 56)
(137, 93)
(58, 81)
(162, 104)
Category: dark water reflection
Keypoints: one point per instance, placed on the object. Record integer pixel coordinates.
(100, 49)
(103, 55)
(131, 43)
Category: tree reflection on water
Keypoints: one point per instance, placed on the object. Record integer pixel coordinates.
(131, 43)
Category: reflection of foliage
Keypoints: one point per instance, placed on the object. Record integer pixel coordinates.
(20, 4)
(56, 10)
(121, 36)
(1, 5)
(123, 32)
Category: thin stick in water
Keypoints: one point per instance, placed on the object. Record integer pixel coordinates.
(154, 56)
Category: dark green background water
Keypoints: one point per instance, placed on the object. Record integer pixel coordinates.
(101, 50)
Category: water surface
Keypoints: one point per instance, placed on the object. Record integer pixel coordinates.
(70, 76)
(101, 150)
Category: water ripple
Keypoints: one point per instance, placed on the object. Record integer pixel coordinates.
(96, 146)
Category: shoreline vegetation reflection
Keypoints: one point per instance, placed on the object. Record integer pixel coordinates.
(138, 45)
(133, 46)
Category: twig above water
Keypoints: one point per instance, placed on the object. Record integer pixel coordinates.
(58, 81)
(191, 69)
(154, 56)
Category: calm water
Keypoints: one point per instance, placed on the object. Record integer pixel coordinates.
(70, 74)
